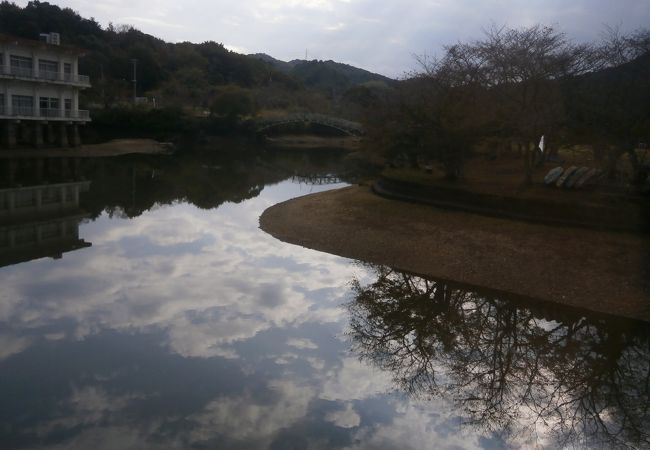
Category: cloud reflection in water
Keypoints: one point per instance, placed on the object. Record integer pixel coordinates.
(187, 327)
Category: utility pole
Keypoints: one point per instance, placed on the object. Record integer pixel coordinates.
(135, 82)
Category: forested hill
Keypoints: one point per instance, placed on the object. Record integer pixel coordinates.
(182, 74)
(324, 75)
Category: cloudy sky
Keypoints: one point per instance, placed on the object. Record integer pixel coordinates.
(379, 35)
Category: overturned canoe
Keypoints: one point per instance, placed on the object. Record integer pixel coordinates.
(565, 176)
(575, 177)
(553, 174)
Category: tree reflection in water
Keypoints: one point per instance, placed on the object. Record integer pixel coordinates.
(562, 376)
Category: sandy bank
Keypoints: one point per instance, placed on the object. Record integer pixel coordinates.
(115, 147)
(601, 271)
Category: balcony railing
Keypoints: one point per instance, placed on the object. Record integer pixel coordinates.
(48, 75)
(81, 79)
(50, 112)
(46, 113)
(22, 72)
(27, 111)
(65, 114)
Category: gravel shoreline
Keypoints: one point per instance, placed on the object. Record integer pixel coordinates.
(601, 271)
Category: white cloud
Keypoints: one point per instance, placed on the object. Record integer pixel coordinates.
(237, 49)
(147, 21)
(11, 345)
(417, 426)
(336, 27)
(344, 418)
(245, 418)
(88, 405)
(354, 380)
(182, 270)
(302, 343)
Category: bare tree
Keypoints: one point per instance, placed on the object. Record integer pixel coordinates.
(516, 85)
(617, 48)
(431, 115)
(506, 84)
(509, 368)
(609, 107)
(522, 69)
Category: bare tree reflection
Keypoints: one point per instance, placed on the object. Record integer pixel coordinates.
(510, 367)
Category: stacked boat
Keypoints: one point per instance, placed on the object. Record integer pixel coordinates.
(573, 177)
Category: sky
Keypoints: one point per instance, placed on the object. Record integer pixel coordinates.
(383, 36)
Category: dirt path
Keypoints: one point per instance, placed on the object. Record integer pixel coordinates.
(601, 271)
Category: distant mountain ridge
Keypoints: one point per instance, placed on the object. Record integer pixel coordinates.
(278, 64)
(329, 76)
(183, 74)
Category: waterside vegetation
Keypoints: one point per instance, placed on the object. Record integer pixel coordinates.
(495, 97)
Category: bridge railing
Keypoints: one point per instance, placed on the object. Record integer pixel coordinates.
(317, 180)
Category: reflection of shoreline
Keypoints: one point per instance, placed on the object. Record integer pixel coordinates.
(40, 221)
(315, 142)
(594, 270)
(564, 377)
(115, 147)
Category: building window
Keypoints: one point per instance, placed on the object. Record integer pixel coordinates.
(49, 107)
(2, 104)
(67, 104)
(21, 66)
(48, 70)
(67, 71)
(22, 105)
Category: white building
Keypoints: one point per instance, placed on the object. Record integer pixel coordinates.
(39, 91)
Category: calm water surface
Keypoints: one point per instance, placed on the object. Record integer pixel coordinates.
(182, 325)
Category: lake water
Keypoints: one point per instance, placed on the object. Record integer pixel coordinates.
(168, 319)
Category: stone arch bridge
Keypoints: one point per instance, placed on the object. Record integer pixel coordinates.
(345, 126)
